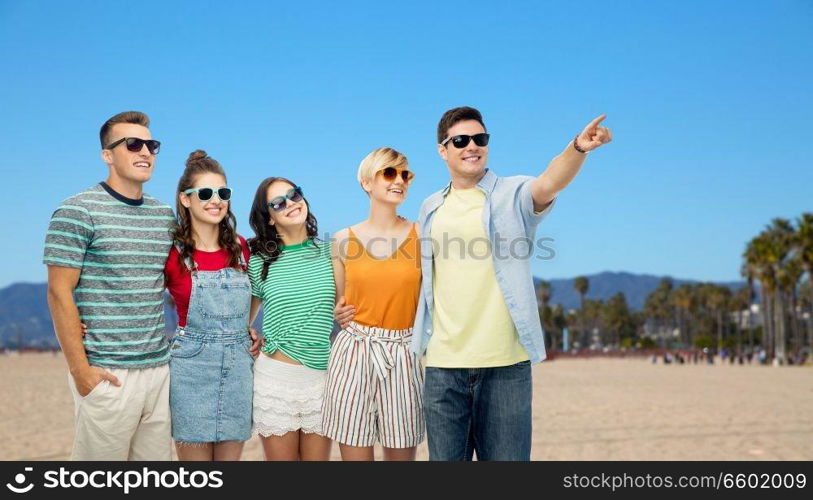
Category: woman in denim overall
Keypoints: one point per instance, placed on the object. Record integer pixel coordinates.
(211, 369)
(211, 365)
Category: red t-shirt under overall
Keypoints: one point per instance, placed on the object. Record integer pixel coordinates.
(179, 279)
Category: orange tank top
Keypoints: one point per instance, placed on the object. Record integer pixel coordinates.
(383, 291)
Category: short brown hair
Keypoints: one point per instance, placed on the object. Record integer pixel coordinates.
(135, 117)
(455, 115)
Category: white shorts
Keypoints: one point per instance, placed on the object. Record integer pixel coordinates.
(287, 397)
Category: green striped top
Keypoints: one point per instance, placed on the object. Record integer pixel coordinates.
(120, 245)
(298, 297)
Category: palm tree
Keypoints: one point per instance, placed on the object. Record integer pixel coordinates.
(573, 323)
(546, 315)
(749, 273)
(757, 261)
(592, 318)
(781, 234)
(768, 254)
(806, 303)
(789, 275)
(741, 302)
(718, 298)
(543, 293)
(659, 308)
(804, 247)
(559, 322)
(581, 284)
(616, 317)
(684, 300)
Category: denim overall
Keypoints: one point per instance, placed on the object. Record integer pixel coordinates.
(211, 368)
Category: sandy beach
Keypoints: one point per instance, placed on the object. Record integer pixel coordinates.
(584, 409)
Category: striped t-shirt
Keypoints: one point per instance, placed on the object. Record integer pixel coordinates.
(121, 246)
(298, 297)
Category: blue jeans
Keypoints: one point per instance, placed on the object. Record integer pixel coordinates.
(479, 410)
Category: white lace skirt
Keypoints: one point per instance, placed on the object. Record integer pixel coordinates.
(287, 397)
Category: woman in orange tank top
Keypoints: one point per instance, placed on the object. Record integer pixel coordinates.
(374, 382)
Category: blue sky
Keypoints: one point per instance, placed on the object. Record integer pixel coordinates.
(710, 105)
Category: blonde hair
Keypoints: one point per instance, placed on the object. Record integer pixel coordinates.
(379, 159)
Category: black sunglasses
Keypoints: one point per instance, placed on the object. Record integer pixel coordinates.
(461, 141)
(135, 144)
(279, 203)
(206, 193)
(390, 174)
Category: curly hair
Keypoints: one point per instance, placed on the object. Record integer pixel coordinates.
(201, 163)
(266, 241)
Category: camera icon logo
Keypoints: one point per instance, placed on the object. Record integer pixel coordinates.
(20, 479)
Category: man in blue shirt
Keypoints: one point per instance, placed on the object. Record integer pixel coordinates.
(477, 319)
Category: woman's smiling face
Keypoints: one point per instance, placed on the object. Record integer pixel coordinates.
(293, 214)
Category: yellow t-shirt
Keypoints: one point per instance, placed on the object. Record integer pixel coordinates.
(471, 325)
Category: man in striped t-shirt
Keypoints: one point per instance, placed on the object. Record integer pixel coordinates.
(105, 250)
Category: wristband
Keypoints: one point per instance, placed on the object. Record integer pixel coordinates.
(576, 145)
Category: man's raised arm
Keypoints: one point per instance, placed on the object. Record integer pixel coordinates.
(564, 167)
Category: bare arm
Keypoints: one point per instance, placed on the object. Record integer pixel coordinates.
(68, 328)
(337, 256)
(255, 308)
(256, 340)
(564, 167)
(343, 313)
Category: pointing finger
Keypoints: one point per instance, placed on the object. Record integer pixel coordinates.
(593, 124)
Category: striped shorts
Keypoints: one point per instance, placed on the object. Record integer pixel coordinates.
(374, 389)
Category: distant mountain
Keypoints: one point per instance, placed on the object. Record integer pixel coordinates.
(604, 285)
(25, 319)
(24, 316)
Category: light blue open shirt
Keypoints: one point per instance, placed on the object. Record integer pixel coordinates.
(509, 220)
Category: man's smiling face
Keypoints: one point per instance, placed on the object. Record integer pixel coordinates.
(469, 161)
(125, 164)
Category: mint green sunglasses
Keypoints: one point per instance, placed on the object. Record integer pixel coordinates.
(206, 193)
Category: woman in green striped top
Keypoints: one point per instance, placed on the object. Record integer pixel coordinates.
(292, 278)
